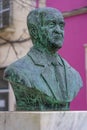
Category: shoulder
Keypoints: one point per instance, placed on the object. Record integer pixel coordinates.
(66, 63)
(74, 80)
(73, 73)
(17, 65)
(17, 71)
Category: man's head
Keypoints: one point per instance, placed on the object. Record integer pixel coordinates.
(46, 27)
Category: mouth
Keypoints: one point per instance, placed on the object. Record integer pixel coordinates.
(57, 36)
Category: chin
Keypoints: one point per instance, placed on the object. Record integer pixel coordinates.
(57, 45)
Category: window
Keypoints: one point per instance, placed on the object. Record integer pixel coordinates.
(4, 92)
(4, 13)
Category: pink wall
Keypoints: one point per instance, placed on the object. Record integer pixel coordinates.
(75, 38)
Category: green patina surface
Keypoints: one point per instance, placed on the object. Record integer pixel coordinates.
(34, 100)
(43, 80)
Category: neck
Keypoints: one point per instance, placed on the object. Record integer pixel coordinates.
(52, 49)
(47, 49)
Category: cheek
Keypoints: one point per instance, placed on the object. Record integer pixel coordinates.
(49, 34)
(46, 34)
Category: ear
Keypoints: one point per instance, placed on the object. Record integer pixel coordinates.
(33, 31)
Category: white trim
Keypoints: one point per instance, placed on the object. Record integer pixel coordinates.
(4, 10)
(4, 90)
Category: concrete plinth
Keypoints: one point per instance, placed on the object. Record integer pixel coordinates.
(43, 121)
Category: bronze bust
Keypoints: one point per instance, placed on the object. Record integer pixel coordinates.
(42, 79)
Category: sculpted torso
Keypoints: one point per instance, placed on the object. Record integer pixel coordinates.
(42, 77)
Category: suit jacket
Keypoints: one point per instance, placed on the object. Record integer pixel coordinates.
(51, 75)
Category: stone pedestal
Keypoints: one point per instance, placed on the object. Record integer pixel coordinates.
(43, 121)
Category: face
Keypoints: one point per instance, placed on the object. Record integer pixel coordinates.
(53, 29)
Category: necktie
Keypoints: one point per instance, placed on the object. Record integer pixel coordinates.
(60, 73)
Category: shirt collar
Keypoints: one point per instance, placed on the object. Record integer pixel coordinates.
(41, 57)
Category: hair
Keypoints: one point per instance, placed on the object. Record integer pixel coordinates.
(35, 16)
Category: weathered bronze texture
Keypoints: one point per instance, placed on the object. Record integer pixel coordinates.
(42, 79)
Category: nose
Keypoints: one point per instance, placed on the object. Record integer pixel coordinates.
(58, 29)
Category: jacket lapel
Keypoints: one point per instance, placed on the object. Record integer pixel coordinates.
(49, 77)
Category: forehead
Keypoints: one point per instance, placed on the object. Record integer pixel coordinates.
(53, 15)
